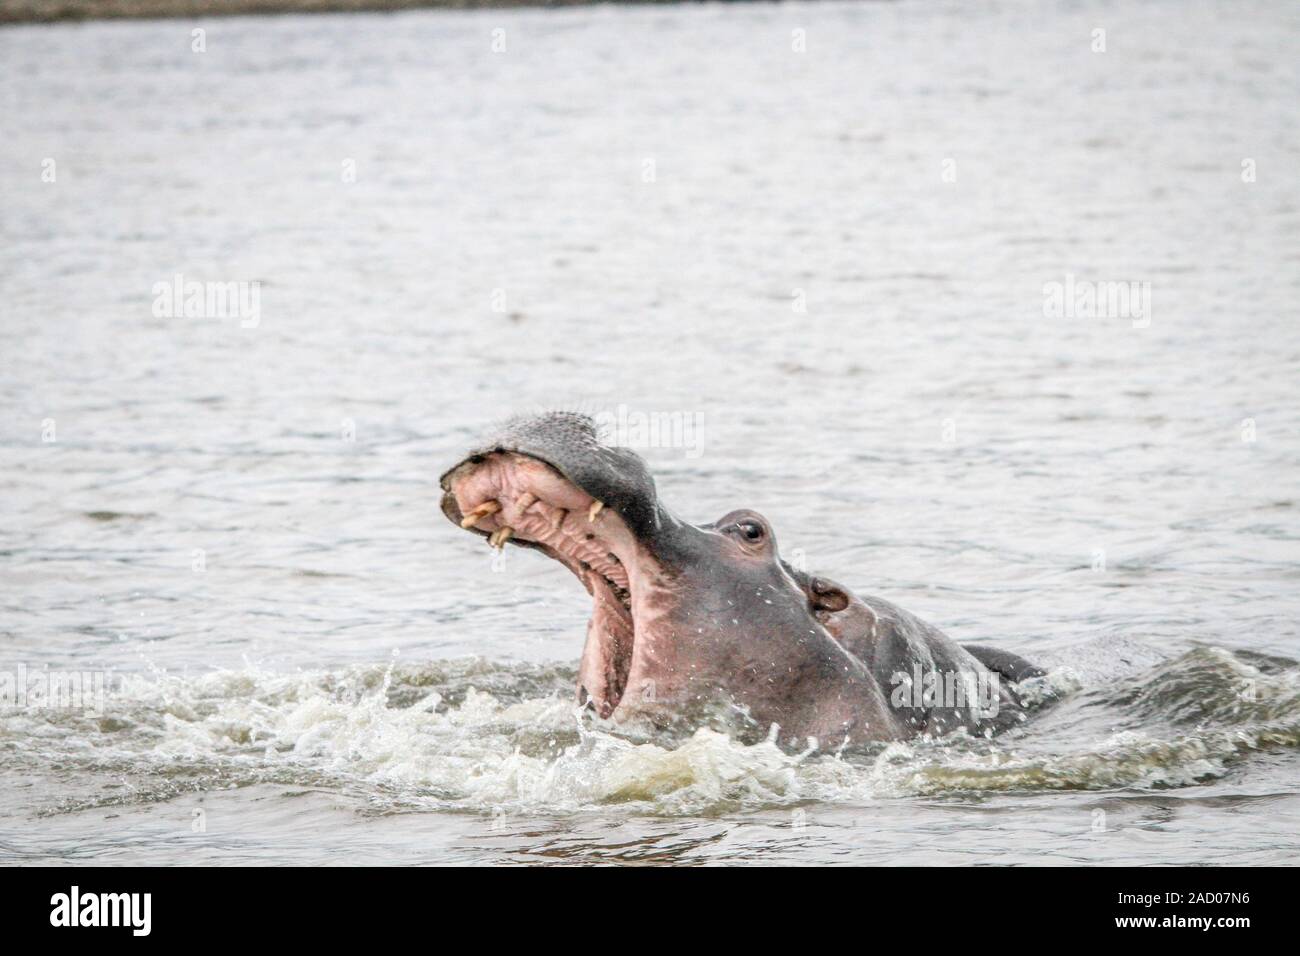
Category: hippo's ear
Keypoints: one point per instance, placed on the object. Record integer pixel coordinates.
(827, 595)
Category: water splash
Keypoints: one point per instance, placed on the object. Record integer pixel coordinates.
(477, 736)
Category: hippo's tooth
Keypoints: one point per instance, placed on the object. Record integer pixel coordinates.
(499, 538)
(594, 510)
(525, 501)
(482, 511)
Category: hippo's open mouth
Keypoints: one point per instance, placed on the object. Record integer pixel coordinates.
(508, 496)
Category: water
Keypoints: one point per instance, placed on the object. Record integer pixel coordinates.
(237, 527)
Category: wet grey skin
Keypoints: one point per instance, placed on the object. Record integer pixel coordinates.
(689, 618)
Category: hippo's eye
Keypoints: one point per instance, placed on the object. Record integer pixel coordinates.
(749, 530)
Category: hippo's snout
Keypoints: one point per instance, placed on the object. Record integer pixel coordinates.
(567, 442)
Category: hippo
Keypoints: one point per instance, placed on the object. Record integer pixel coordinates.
(684, 614)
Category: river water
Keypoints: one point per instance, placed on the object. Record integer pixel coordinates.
(835, 237)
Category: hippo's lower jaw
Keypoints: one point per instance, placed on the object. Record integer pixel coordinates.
(509, 496)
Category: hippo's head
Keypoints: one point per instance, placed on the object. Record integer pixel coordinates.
(680, 612)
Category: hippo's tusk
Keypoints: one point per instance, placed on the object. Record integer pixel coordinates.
(499, 538)
(594, 510)
(479, 513)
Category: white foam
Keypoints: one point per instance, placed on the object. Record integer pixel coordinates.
(433, 736)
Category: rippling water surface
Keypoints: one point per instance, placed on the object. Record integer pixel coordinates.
(837, 257)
